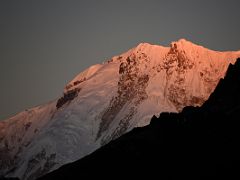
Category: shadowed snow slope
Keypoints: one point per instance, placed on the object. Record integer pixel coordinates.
(106, 101)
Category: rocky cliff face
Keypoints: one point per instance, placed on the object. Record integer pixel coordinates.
(106, 101)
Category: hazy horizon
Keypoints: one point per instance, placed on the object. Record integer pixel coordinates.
(44, 44)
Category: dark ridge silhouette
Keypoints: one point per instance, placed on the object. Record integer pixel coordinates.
(10, 178)
(198, 142)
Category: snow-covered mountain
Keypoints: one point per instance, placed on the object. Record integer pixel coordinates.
(197, 143)
(108, 100)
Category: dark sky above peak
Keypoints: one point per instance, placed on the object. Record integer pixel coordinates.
(45, 43)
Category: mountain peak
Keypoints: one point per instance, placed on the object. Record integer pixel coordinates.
(180, 44)
(182, 41)
(183, 44)
(107, 100)
(145, 45)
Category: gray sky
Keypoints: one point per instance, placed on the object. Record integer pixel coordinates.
(45, 43)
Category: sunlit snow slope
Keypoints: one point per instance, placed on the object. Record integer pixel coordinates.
(107, 100)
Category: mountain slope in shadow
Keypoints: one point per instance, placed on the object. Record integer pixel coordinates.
(198, 142)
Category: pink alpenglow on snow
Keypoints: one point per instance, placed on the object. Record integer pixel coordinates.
(107, 100)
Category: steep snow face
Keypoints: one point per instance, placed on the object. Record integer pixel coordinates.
(107, 100)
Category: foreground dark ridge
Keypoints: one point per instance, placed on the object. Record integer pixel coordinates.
(199, 142)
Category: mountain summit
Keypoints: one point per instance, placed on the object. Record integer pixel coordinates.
(106, 101)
